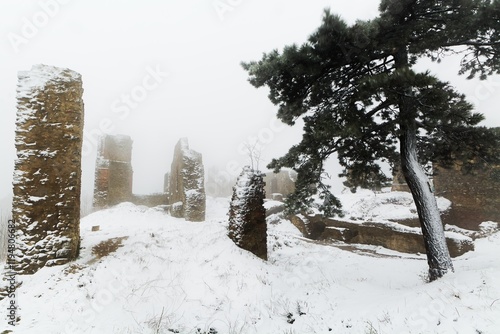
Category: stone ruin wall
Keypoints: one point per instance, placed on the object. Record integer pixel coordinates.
(114, 173)
(475, 196)
(186, 183)
(47, 176)
(280, 183)
(247, 215)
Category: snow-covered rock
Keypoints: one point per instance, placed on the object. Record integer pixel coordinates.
(247, 214)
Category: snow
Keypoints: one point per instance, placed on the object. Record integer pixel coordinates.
(174, 276)
(368, 205)
(40, 75)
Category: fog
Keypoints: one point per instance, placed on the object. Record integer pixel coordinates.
(161, 70)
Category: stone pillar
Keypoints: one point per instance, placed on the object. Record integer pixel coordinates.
(247, 215)
(113, 174)
(47, 176)
(187, 183)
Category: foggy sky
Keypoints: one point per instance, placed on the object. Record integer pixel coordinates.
(162, 70)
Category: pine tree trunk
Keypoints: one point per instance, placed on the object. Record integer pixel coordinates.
(438, 256)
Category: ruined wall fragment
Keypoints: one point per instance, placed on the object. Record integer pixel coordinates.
(247, 215)
(280, 183)
(114, 173)
(187, 182)
(47, 175)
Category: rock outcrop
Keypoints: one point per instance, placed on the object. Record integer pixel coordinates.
(186, 186)
(47, 176)
(389, 235)
(113, 173)
(247, 215)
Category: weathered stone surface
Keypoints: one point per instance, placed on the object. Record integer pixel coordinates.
(390, 235)
(309, 230)
(113, 173)
(47, 176)
(280, 183)
(475, 195)
(187, 182)
(247, 215)
(166, 183)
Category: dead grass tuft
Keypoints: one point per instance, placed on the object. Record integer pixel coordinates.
(106, 247)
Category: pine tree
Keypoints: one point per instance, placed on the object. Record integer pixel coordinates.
(359, 97)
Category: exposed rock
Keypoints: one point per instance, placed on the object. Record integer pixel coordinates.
(389, 235)
(247, 215)
(309, 230)
(280, 183)
(47, 176)
(113, 174)
(274, 207)
(187, 182)
(475, 196)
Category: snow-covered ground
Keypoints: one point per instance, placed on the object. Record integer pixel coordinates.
(173, 276)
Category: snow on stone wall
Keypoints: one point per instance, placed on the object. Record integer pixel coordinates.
(187, 182)
(247, 215)
(47, 176)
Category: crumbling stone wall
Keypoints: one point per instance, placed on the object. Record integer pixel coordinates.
(247, 215)
(280, 183)
(475, 196)
(187, 183)
(114, 173)
(47, 176)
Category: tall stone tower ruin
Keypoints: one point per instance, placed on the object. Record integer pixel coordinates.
(47, 176)
(113, 174)
(186, 186)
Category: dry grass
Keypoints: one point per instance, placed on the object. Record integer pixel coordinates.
(106, 247)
